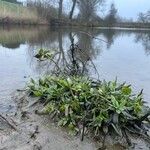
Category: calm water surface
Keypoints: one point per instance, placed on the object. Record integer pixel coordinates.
(125, 54)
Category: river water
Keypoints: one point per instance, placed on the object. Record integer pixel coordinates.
(124, 54)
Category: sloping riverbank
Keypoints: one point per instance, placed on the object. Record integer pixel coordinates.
(23, 129)
(30, 131)
(36, 132)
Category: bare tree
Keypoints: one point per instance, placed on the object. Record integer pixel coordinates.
(60, 9)
(144, 17)
(72, 9)
(111, 18)
(88, 9)
(45, 8)
(141, 18)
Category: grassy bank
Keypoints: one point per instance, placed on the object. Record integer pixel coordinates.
(15, 13)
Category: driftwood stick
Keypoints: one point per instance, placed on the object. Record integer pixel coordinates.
(34, 103)
(145, 116)
(127, 138)
(83, 131)
(8, 122)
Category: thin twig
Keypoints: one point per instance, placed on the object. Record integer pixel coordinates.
(93, 36)
(8, 122)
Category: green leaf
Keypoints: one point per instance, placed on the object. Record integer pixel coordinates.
(114, 102)
(41, 82)
(117, 129)
(128, 116)
(66, 110)
(69, 81)
(32, 81)
(126, 90)
(37, 93)
(49, 108)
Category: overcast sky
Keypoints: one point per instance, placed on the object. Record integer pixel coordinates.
(130, 8)
(127, 8)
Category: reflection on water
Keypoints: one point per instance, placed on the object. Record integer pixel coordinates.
(125, 54)
(144, 38)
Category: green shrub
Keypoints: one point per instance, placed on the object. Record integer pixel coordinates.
(80, 103)
(43, 54)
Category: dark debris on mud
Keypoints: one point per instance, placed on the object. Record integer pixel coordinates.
(25, 130)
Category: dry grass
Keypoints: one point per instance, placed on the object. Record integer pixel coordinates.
(17, 12)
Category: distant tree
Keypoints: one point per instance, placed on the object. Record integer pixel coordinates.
(60, 9)
(49, 8)
(141, 17)
(72, 9)
(111, 18)
(88, 9)
(144, 17)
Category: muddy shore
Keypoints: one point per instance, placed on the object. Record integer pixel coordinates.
(24, 130)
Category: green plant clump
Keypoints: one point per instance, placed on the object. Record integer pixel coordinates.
(43, 54)
(83, 105)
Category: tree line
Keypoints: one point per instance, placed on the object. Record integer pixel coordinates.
(81, 10)
(12, 1)
(144, 17)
